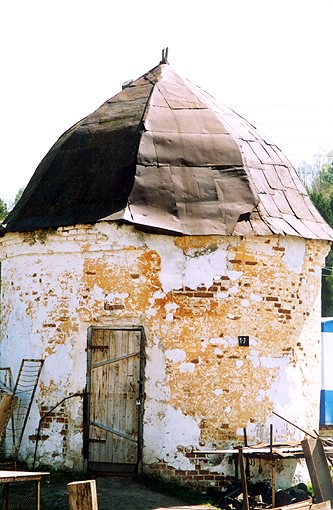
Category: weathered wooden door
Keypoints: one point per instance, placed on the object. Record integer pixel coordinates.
(115, 399)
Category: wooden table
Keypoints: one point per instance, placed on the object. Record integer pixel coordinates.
(7, 477)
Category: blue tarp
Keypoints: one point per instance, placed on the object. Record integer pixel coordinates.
(326, 407)
(327, 326)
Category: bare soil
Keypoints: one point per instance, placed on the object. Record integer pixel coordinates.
(118, 493)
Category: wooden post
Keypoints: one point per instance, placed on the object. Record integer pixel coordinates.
(273, 463)
(320, 475)
(246, 505)
(82, 495)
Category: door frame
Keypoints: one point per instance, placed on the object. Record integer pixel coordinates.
(87, 393)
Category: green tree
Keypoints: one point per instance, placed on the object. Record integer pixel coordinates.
(320, 188)
(3, 210)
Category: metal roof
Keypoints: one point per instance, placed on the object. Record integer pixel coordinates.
(164, 155)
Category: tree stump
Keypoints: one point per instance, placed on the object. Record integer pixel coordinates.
(82, 495)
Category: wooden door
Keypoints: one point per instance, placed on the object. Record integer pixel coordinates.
(115, 394)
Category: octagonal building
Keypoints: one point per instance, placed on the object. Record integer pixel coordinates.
(165, 263)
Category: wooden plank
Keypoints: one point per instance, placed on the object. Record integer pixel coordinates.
(246, 505)
(7, 406)
(272, 463)
(319, 472)
(324, 505)
(306, 505)
(82, 495)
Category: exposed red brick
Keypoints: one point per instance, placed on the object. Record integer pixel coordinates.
(108, 306)
(203, 294)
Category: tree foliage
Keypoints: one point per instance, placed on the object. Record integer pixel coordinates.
(3, 210)
(320, 188)
(6, 207)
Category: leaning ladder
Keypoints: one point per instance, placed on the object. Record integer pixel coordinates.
(24, 390)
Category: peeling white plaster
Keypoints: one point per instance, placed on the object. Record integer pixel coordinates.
(187, 367)
(222, 295)
(116, 295)
(196, 267)
(261, 395)
(294, 253)
(50, 319)
(175, 429)
(225, 341)
(234, 289)
(175, 355)
(151, 312)
(171, 307)
(255, 297)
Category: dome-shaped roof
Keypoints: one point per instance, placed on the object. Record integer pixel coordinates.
(162, 154)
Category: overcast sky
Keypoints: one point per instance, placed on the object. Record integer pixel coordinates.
(270, 60)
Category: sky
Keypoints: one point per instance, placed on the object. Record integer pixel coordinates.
(269, 60)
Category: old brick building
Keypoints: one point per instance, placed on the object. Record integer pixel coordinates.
(165, 262)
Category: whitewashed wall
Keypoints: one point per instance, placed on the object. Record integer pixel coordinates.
(194, 296)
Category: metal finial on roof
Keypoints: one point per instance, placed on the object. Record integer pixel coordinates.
(164, 56)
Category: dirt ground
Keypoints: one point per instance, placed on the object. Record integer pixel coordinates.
(117, 493)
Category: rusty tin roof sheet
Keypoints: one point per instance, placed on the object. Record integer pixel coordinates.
(162, 154)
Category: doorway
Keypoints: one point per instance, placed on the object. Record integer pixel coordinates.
(114, 406)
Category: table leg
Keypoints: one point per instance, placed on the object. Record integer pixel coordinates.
(5, 495)
(38, 495)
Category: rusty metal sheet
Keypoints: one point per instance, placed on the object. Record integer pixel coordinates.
(163, 154)
(270, 206)
(218, 215)
(282, 202)
(202, 121)
(244, 228)
(152, 200)
(316, 228)
(259, 179)
(259, 226)
(272, 177)
(156, 99)
(315, 213)
(261, 150)
(281, 226)
(177, 92)
(298, 205)
(250, 157)
(285, 177)
(299, 226)
(194, 149)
